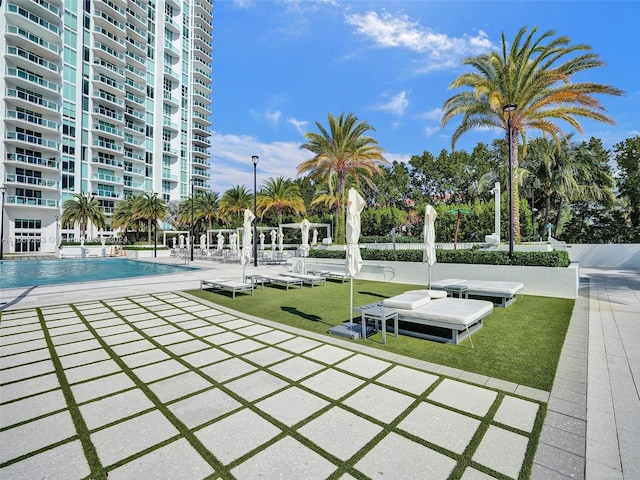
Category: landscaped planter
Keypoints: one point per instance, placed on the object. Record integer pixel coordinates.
(544, 281)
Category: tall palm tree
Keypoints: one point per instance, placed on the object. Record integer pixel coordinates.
(234, 201)
(535, 75)
(149, 208)
(344, 151)
(206, 207)
(281, 195)
(83, 209)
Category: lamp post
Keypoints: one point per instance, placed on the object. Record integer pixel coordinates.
(510, 107)
(155, 219)
(3, 190)
(255, 159)
(192, 216)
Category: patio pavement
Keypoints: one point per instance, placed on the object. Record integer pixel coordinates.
(154, 383)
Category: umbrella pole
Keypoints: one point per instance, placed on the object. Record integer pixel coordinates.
(351, 303)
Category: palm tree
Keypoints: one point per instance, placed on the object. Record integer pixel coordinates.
(206, 207)
(566, 175)
(536, 77)
(83, 209)
(234, 201)
(148, 207)
(123, 216)
(281, 195)
(345, 151)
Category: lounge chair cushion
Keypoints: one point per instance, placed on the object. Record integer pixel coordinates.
(433, 294)
(406, 301)
(451, 311)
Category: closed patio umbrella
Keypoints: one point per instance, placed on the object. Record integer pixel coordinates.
(247, 245)
(355, 205)
(305, 225)
(429, 255)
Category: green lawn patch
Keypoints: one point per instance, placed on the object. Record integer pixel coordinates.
(520, 343)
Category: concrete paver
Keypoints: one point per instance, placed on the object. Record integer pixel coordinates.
(220, 394)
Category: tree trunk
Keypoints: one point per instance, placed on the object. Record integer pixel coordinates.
(516, 191)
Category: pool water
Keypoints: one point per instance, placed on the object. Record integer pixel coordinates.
(31, 273)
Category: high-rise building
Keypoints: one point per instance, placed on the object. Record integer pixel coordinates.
(105, 98)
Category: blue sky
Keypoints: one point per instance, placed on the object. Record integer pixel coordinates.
(281, 66)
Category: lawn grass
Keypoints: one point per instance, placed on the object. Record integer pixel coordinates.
(520, 343)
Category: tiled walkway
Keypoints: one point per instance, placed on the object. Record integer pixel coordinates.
(167, 386)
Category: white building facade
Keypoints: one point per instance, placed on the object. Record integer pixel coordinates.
(106, 98)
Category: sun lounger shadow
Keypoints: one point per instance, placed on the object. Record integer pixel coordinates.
(306, 316)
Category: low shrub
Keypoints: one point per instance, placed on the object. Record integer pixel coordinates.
(554, 258)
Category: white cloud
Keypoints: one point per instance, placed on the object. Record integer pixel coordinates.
(434, 114)
(243, 4)
(429, 131)
(300, 125)
(396, 105)
(271, 116)
(231, 160)
(439, 50)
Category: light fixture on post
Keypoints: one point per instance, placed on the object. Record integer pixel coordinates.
(3, 190)
(255, 159)
(155, 220)
(193, 201)
(510, 107)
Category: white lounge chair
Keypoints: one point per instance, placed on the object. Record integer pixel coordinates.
(447, 320)
(307, 278)
(227, 285)
(501, 293)
(338, 275)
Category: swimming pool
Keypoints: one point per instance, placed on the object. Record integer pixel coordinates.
(31, 273)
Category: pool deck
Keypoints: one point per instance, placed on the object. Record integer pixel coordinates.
(591, 430)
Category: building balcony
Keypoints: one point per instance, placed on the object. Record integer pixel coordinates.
(109, 38)
(34, 181)
(112, 162)
(31, 102)
(107, 178)
(20, 139)
(50, 164)
(50, 29)
(108, 97)
(15, 117)
(36, 44)
(110, 114)
(112, 9)
(31, 62)
(103, 18)
(108, 130)
(102, 50)
(109, 146)
(30, 201)
(105, 193)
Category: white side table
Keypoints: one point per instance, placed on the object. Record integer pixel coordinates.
(380, 314)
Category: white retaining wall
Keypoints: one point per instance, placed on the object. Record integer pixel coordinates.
(543, 281)
(623, 255)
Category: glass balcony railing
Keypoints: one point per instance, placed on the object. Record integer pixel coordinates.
(40, 182)
(33, 38)
(38, 202)
(23, 137)
(32, 98)
(31, 119)
(31, 160)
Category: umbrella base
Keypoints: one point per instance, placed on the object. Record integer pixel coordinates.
(353, 331)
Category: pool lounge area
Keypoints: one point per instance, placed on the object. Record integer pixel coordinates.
(573, 435)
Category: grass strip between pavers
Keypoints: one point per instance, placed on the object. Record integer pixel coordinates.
(224, 471)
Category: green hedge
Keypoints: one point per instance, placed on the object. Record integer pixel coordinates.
(554, 258)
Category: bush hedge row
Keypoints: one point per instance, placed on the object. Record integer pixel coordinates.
(554, 258)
